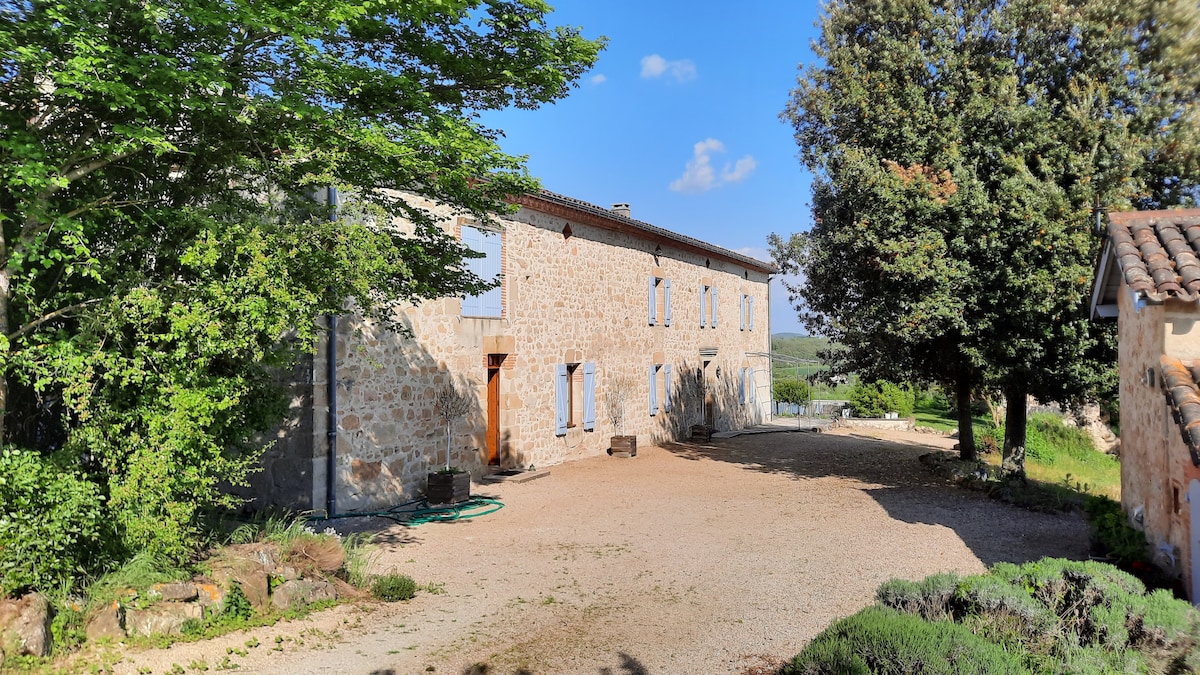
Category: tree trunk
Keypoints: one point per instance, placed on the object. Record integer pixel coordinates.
(966, 426)
(1015, 420)
(996, 408)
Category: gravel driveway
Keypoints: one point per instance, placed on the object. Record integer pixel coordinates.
(695, 558)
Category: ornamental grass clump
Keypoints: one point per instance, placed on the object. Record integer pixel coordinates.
(393, 587)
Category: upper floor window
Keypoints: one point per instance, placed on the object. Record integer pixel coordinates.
(489, 303)
(708, 306)
(746, 309)
(659, 300)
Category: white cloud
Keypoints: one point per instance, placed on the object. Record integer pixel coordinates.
(654, 66)
(700, 176)
(598, 78)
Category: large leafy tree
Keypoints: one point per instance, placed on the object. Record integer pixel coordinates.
(161, 255)
(960, 149)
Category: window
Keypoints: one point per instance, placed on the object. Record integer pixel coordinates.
(746, 385)
(574, 397)
(708, 306)
(746, 310)
(488, 268)
(660, 388)
(659, 298)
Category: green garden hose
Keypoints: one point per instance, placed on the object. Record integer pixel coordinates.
(413, 513)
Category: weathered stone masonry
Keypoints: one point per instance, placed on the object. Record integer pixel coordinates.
(576, 282)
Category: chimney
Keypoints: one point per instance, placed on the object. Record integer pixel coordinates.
(621, 210)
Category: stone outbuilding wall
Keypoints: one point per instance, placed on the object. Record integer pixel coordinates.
(576, 287)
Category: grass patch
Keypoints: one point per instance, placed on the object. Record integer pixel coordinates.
(930, 412)
(393, 587)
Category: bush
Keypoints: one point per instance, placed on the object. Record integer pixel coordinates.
(1049, 616)
(875, 400)
(50, 523)
(393, 587)
(1112, 533)
(791, 391)
(882, 641)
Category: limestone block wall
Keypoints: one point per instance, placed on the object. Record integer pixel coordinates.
(573, 292)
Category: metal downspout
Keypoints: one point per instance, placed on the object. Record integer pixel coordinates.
(770, 359)
(331, 424)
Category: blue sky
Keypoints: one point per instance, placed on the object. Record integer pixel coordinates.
(680, 118)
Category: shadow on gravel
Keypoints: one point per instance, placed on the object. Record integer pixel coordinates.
(892, 476)
(629, 666)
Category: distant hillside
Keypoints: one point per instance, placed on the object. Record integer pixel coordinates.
(798, 346)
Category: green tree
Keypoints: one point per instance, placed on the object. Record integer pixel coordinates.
(791, 391)
(162, 259)
(959, 149)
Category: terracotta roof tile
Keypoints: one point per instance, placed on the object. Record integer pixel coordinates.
(1158, 252)
(1183, 395)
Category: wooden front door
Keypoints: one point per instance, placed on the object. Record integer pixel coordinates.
(493, 416)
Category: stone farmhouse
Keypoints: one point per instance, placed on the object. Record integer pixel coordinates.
(1148, 278)
(591, 302)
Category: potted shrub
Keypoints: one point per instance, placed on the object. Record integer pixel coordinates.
(450, 484)
(618, 393)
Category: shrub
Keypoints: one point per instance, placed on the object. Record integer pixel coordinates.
(50, 523)
(874, 400)
(393, 587)
(929, 599)
(1112, 534)
(882, 641)
(791, 391)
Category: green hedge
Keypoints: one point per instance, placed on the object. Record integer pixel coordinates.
(879, 398)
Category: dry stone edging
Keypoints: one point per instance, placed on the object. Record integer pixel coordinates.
(25, 624)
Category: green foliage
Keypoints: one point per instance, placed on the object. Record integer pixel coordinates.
(1052, 615)
(163, 257)
(1113, 534)
(801, 347)
(882, 641)
(237, 605)
(138, 573)
(393, 587)
(51, 523)
(791, 391)
(958, 150)
(879, 398)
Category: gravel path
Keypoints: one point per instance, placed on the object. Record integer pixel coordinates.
(715, 558)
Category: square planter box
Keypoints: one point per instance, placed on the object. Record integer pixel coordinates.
(448, 488)
(625, 446)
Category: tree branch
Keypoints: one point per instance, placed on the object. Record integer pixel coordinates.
(33, 325)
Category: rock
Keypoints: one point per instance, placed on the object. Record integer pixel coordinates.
(299, 592)
(25, 624)
(105, 623)
(179, 591)
(211, 597)
(245, 573)
(165, 617)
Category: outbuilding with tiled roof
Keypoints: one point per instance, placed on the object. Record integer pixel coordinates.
(1148, 279)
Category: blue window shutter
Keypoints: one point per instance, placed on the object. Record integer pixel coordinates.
(742, 385)
(667, 387)
(589, 396)
(750, 384)
(703, 318)
(653, 393)
(714, 308)
(472, 305)
(653, 309)
(666, 302)
(561, 400)
(490, 304)
(750, 298)
(742, 310)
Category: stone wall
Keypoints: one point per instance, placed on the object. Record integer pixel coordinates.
(573, 293)
(1156, 466)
